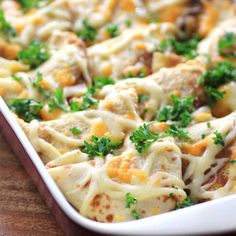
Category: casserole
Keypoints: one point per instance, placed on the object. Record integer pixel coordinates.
(132, 117)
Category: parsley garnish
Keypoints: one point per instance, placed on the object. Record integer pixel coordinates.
(88, 101)
(35, 54)
(187, 48)
(16, 78)
(185, 203)
(213, 95)
(27, 109)
(223, 72)
(136, 214)
(88, 33)
(128, 23)
(180, 110)
(175, 131)
(100, 82)
(226, 43)
(208, 125)
(5, 27)
(99, 147)
(36, 84)
(113, 29)
(75, 130)
(232, 161)
(28, 4)
(138, 75)
(218, 139)
(142, 98)
(143, 137)
(203, 136)
(57, 101)
(130, 200)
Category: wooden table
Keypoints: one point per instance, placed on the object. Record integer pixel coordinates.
(22, 210)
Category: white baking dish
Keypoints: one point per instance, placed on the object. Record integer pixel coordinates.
(216, 216)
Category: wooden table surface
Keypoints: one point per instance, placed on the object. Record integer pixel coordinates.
(22, 210)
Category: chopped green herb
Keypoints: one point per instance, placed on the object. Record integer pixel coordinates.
(100, 82)
(75, 130)
(232, 161)
(218, 139)
(136, 214)
(213, 95)
(128, 23)
(186, 203)
(88, 101)
(28, 4)
(142, 98)
(36, 54)
(36, 84)
(187, 48)
(180, 110)
(27, 109)
(88, 33)
(130, 200)
(223, 72)
(172, 195)
(175, 131)
(99, 147)
(203, 136)
(16, 78)
(138, 75)
(208, 125)
(143, 138)
(113, 29)
(74, 106)
(5, 27)
(56, 101)
(226, 45)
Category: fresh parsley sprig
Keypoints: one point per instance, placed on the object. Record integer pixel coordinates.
(36, 54)
(88, 32)
(218, 139)
(187, 48)
(28, 4)
(185, 203)
(100, 82)
(100, 147)
(132, 201)
(223, 72)
(27, 109)
(179, 110)
(143, 137)
(226, 45)
(5, 28)
(75, 131)
(88, 101)
(113, 30)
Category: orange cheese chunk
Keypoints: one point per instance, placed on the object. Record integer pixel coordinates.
(123, 169)
(127, 5)
(64, 77)
(208, 19)
(99, 129)
(196, 149)
(46, 115)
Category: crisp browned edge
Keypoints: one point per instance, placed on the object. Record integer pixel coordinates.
(68, 226)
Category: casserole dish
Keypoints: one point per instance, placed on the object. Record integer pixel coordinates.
(212, 217)
(127, 106)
